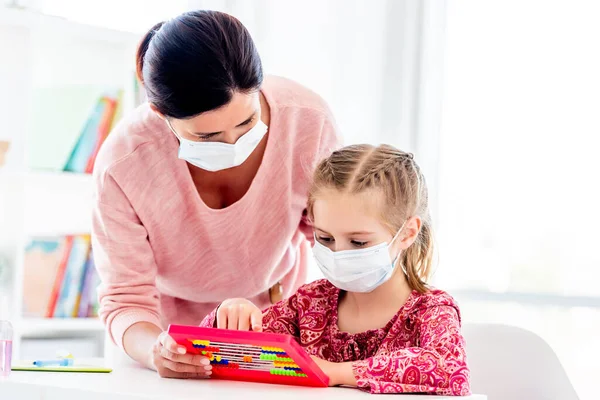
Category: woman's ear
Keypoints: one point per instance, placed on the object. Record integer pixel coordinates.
(155, 110)
(409, 233)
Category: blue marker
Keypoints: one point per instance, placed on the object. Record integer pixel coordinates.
(65, 362)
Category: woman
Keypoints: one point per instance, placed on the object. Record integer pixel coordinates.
(201, 192)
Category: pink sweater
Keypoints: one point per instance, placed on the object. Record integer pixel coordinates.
(165, 257)
(420, 350)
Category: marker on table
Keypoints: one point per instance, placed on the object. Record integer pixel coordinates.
(65, 362)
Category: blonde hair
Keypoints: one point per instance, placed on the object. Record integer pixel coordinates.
(394, 173)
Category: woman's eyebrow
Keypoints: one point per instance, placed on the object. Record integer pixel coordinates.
(216, 133)
(246, 120)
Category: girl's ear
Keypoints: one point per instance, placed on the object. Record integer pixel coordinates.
(409, 233)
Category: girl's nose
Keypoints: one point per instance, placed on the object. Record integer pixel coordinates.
(340, 247)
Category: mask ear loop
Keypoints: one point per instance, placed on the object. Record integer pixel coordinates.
(171, 128)
(397, 259)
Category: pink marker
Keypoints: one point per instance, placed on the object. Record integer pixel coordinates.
(6, 337)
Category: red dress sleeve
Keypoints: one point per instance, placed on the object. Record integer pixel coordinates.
(282, 317)
(210, 320)
(437, 366)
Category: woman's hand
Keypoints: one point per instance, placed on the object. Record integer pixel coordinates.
(239, 315)
(338, 373)
(170, 360)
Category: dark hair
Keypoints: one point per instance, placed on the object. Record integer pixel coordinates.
(196, 61)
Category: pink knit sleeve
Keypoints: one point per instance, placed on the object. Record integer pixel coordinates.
(125, 262)
(437, 366)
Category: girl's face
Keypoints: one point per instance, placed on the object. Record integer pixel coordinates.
(345, 221)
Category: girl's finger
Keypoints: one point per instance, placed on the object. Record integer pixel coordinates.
(256, 320)
(232, 317)
(244, 318)
(222, 318)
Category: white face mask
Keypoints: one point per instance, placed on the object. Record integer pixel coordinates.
(360, 270)
(215, 156)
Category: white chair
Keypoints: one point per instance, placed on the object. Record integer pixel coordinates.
(510, 363)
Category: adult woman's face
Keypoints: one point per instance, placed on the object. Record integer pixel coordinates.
(226, 124)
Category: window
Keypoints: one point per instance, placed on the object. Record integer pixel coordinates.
(518, 199)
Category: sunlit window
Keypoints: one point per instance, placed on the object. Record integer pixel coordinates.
(519, 200)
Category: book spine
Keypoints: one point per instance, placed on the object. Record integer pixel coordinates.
(85, 144)
(86, 289)
(103, 131)
(60, 274)
(72, 279)
(84, 274)
(118, 110)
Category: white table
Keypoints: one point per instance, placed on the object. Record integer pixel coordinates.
(130, 382)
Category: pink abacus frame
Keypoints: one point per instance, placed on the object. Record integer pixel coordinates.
(251, 356)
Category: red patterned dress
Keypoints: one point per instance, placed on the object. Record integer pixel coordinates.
(420, 350)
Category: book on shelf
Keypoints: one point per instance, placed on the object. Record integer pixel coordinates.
(71, 282)
(73, 120)
(60, 274)
(60, 278)
(85, 304)
(95, 131)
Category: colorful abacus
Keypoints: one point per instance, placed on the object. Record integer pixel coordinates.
(239, 356)
(251, 356)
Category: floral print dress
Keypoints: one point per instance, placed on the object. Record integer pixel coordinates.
(420, 350)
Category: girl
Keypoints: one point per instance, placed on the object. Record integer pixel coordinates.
(374, 323)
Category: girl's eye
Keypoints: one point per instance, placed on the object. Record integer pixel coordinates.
(358, 244)
(325, 239)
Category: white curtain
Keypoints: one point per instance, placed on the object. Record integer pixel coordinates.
(376, 62)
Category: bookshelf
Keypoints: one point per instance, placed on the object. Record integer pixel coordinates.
(57, 58)
(57, 327)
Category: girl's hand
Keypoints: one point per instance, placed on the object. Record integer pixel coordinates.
(338, 373)
(239, 315)
(170, 360)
